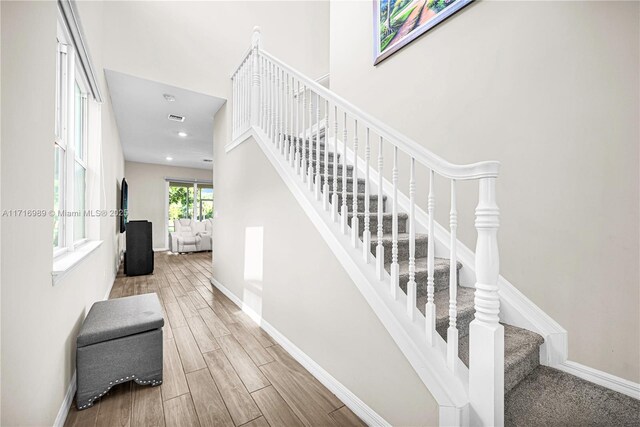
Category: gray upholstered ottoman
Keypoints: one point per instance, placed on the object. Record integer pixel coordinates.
(120, 341)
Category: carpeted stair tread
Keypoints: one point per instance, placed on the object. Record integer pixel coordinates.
(403, 246)
(339, 169)
(387, 223)
(373, 202)
(314, 155)
(521, 353)
(440, 273)
(549, 397)
(349, 181)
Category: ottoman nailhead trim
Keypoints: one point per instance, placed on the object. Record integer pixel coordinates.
(133, 377)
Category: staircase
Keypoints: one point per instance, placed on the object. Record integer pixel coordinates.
(332, 156)
(521, 347)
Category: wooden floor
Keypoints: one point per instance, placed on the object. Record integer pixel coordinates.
(220, 368)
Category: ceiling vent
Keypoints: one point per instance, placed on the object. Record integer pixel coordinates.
(176, 118)
(207, 160)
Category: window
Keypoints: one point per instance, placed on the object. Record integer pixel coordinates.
(180, 202)
(70, 147)
(204, 202)
(189, 200)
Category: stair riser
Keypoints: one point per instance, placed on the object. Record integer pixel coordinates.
(403, 249)
(373, 203)
(517, 372)
(387, 224)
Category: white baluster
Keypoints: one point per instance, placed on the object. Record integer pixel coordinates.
(325, 187)
(274, 114)
(310, 143)
(270, 101)
(235, 104)
(344, 211)
(303, 167)
(318, 172)
(411, 285)
(286, 109)
(486, 334)
(380, 247)
(430, 307)
(355, 226)
(366, 234)
(244, 96)
(241, 99)
(283, 116)
(297, 132)
(452, 331)
(292, 141)
(255, 80)
(395, 269)
(263, 91)
(278, 111)
(265, 106)
(334, 197)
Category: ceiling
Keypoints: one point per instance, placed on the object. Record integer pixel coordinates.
(148, 136)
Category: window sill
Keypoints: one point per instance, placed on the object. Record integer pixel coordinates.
(66, 262)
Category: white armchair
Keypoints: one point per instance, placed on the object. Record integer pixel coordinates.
(191, 236)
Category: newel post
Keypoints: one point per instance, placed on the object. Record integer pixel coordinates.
(486, 334)
(255, 76)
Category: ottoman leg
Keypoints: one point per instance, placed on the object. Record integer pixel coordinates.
(103, 365)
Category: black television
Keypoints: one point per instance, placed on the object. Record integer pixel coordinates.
(124, 204)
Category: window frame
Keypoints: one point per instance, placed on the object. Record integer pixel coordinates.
(200, 200)
(69, 72)
(60, 137)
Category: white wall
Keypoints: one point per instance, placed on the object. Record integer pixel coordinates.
(40, 321)
(550, 89)
(147, 193)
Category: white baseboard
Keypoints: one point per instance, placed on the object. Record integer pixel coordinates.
(601, 378)
(66, 403)
(361, 409)
(160, 249)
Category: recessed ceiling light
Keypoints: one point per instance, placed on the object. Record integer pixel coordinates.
(169, 97)
(169, 158)
(183, 134)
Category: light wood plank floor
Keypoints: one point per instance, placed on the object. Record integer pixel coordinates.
(220, 368)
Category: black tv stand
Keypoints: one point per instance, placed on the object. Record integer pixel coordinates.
(138, 256)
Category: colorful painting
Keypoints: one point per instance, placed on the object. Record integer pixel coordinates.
(398, 22)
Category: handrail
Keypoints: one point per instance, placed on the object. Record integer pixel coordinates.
(486, 169)
(244, 58)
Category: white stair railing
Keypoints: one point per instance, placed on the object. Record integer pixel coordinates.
(287, 107)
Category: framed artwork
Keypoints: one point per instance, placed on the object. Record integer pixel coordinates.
(396, 23)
